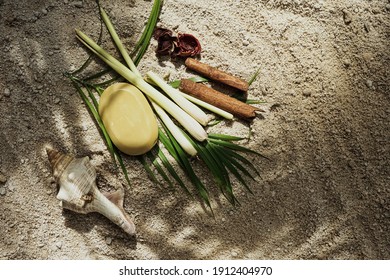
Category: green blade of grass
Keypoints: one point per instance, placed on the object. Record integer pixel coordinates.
(216, 168)
(144, 163)
(89, 59)
(122, 165)
(144, 41)
(253, 78)
(172, 171)
(168, 145)
(245, 161)
(254, 101)
(227, 188)
(214, 122)
(233, 165)
(160, 170)
(186, 166)
(98, 75)
(234, 146)
(96, 116)
(225, 137)
(92, 97)
(170, 148)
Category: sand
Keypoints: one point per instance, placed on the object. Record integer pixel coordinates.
(324, 78)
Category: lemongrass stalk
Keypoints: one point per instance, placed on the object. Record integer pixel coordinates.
(118, 42)
(173, 93)
(175, 131)
(199, 102)
(189, 123)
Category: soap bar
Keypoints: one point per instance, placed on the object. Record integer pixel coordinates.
(128, 119)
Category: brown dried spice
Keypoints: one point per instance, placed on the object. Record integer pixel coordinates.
(184, 45)
(165, 41)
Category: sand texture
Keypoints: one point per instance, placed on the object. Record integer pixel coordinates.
(325, 80)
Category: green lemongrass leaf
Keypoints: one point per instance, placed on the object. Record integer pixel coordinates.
(212, 165)
(92, 97)
(243, 98)
(144, 41)
(97, 118)
(97, 75)
(107, 82)
(172, 171)
(186, 166)
(142, 38)
(167, 144)
(225, 137)
(239, 157)
(89, 59)
(122, 165)
(234, 146)
(214, 122)
(144, 163)
(172, 151)
(209, 161)
(227, 188)
(175, 83)
(99, 89)
(230, 156)
(253, 78)
(238, 166)
(233, 165)
(160, 170)
(217, 169)
(196, 79)
(118, 42)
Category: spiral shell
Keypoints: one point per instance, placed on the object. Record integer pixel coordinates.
(78, 192)
(58, 162)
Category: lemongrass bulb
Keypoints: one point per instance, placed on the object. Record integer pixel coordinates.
(175, 131)
(185, 104)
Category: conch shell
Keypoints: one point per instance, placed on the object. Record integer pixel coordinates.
(78, 192)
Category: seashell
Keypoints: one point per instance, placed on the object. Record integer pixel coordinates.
(76, 178)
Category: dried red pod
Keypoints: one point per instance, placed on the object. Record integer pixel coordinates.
(158, 32)
(165, 41)
(186, 45)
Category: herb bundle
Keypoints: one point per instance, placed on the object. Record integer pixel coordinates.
(184, 138)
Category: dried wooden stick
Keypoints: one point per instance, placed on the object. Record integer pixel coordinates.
(218, 99)
(216, 74)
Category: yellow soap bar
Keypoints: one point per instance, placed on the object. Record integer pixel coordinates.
(128, 118)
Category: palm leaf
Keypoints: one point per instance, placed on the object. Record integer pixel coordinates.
(225, 137)
(181, 157)
(143, 42)
(159, 168)
(233, 146)
(144, 163)
(233, 165)
(171, 170)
